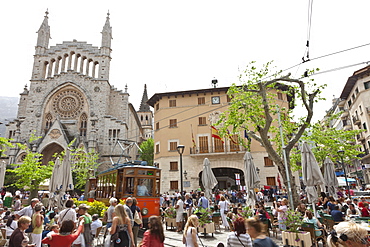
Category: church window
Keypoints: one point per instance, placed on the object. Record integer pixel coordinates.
(83, 124)
(146, 118)
(142, 118)
(48, 122)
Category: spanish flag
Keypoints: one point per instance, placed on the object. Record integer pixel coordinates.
(215, 133)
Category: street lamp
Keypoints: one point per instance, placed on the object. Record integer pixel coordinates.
(341, 154)
(180, 150)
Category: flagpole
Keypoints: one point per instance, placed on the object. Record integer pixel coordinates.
(290, 194)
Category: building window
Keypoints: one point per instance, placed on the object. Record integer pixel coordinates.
(219, 145)
(203, 144)
(228, 99)
(271, 181)
(356, 90)
(174, 166)
(202, 121)
(360, 107)
(364, 126)
(268, 161)
(367, 85)
(157, 148)
(49, 122)
(173, 123)
(201, 101)
(157, 107)
(83, 125)
(280, 96)
(349, 103)
(173, 146)
(174, 185)
(157, 126)
(234, 146)
(172, 103)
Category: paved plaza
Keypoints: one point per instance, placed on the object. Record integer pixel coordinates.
(175, 239)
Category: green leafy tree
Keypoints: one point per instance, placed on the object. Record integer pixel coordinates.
(147, 151)
(31, 172)
(254, 108)
(327, 142)
(84, 166)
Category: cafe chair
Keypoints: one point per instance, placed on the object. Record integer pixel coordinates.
(309, 227)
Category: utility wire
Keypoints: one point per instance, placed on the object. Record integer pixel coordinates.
(306, 56)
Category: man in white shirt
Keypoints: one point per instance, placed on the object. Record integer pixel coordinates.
(95, 224)
(68, 213)
(113, 202)
(28, 211)
(179, 213)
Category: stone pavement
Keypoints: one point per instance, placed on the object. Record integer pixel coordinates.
(175, 239)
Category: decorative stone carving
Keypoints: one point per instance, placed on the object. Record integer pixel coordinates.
(55, 134)
(214, 117)
(97, 89)
(68, 103)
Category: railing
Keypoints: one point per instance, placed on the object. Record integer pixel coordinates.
(216, 149)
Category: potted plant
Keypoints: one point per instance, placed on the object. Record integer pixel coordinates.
(205, 220)
(246, 212)
(170, 217)
(293, 235)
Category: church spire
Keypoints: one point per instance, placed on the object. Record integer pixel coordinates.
(44, 33)
(144, 107)
(106, 33)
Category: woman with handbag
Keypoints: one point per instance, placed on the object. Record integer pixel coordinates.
(224, 209)
(154, 237)
(121, 230)
(240, 237)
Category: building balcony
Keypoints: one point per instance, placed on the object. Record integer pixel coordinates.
(347, 126)
(356, 120)
(216, 149)
(360, 136)
(344, 114)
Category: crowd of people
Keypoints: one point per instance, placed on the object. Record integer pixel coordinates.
(37, 224)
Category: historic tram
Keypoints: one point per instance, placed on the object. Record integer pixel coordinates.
(131, 179)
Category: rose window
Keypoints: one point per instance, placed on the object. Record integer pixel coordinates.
(68, 103)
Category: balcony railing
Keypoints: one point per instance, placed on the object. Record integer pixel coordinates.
(216, 149)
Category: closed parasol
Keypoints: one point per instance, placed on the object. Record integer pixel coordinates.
(209, 180)
(251, 177)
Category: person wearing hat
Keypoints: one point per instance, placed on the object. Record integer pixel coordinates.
(86, 233)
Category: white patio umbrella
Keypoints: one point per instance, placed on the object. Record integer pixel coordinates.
(209, 180)
(67, 182)
(251, 177)
(311, 174)
(2, 173)
(330, 178)
(56, 177)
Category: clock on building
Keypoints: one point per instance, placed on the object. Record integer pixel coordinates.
(215, 100)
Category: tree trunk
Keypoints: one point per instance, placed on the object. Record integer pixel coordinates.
(296, 199)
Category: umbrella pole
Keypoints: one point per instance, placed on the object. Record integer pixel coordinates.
(314, 209)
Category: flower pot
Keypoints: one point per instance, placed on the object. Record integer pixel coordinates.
(170, 222)
(207, 228)
(292, 238)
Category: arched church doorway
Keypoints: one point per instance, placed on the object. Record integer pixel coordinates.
(226, 177)
(49, 151)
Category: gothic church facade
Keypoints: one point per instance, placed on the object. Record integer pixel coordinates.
(70, 97)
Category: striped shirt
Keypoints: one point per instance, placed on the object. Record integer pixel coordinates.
(238, 241)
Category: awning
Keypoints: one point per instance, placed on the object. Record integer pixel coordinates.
(339, 173)
(342, 181)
